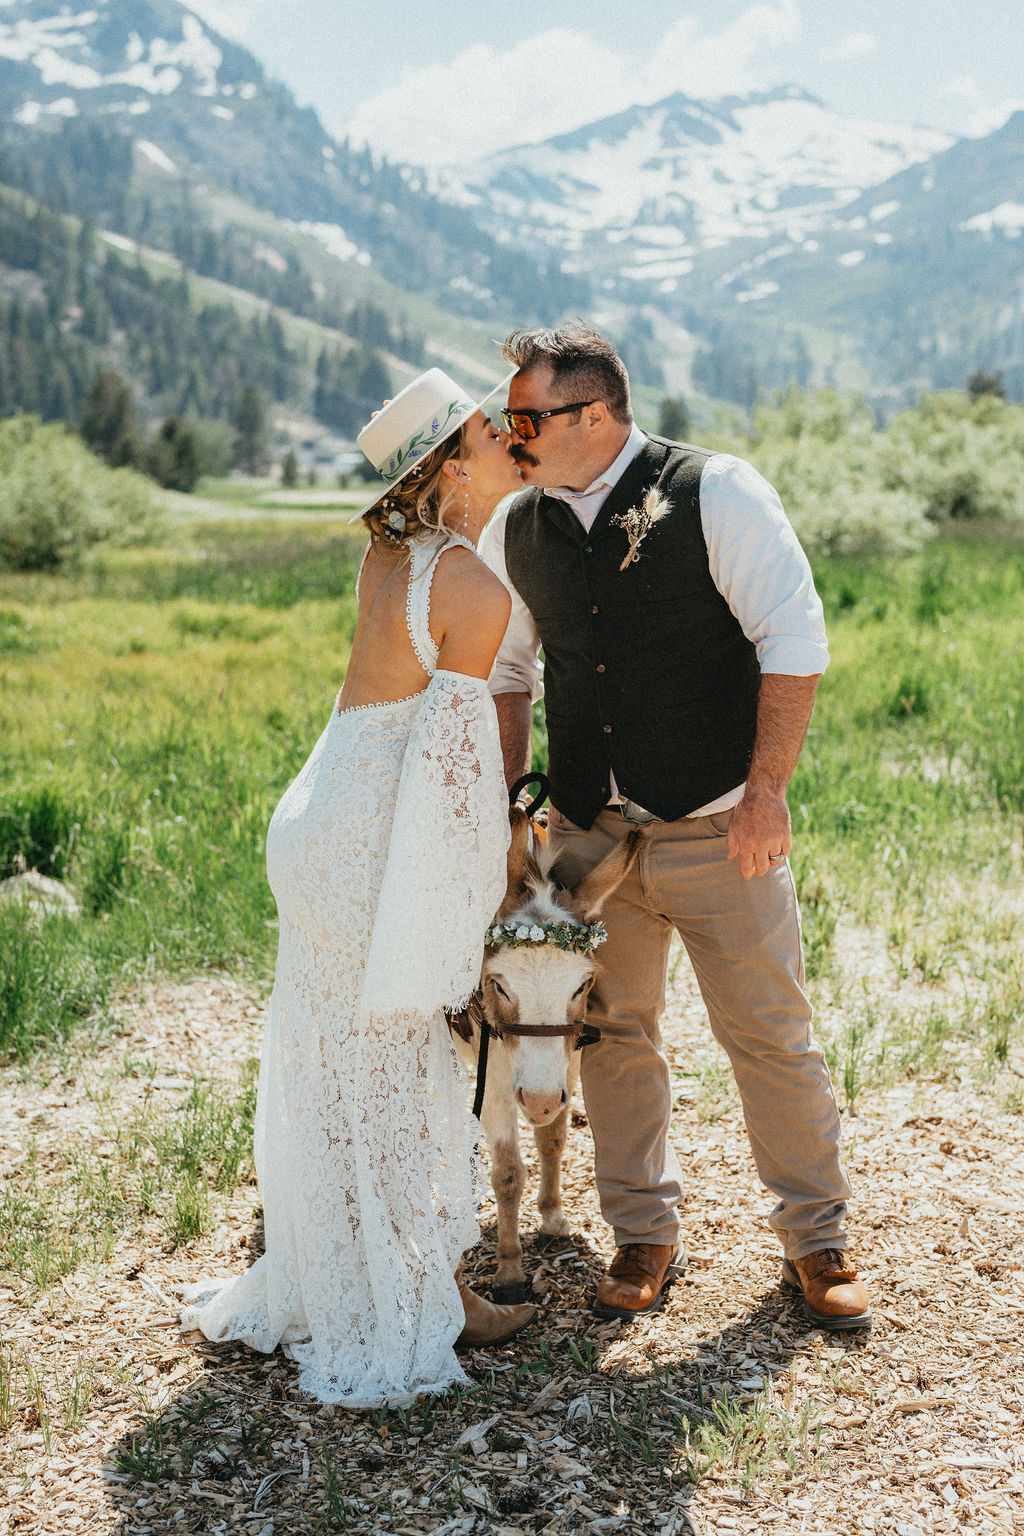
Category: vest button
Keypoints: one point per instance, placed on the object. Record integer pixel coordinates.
(593, 610)
(600, 666)
(588, 549)
(607, 729)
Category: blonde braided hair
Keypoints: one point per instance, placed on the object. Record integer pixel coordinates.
(418, 501)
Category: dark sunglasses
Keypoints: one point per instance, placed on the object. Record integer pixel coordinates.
(527, 423)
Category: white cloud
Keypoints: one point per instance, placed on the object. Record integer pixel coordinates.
(981, 116)
(988, 118)
(725, 62)
(236, 19)
(484, 99)
(855, 45)
(964, 86)
(487, 99)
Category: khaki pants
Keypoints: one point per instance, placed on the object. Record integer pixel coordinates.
(743, 940)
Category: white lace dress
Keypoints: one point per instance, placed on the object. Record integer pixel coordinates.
(386, 857)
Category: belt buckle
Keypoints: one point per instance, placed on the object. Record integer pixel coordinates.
(635, 814)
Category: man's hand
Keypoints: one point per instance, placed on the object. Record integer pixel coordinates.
(759, 832)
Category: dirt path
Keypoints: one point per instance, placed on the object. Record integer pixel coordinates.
(725, 1413)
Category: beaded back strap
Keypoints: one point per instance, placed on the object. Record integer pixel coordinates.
(422, 566)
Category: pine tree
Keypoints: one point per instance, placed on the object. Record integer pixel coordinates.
(673, 420)
(250, 423)
(109, 416)
(982, 382)
(290, 470)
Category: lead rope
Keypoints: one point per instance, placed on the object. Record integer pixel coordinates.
(541, 780)
(481, 1064)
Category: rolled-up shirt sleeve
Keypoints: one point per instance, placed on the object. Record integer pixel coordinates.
(517, 667)
(758, 565)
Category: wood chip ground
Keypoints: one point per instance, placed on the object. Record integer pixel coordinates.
(725, 1413)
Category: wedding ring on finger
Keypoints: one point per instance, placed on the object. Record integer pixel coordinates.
(776, 858)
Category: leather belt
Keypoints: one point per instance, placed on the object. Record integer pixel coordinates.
(634, 813)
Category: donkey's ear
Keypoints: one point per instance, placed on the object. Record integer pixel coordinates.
(594, 889)
(518, 861)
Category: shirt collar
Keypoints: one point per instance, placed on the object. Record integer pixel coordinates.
(609, 477)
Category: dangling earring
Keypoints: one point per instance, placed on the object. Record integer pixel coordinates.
(465, 500)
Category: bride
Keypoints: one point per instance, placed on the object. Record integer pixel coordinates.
(386, 857)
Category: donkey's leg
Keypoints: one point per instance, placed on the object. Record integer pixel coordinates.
(550, 1141)
(500, 1123)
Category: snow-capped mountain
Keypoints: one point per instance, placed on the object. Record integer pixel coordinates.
(923, 274)
(733, 244)
(189, 99)
(637, 197)
(124, 56)
(200, 113)
(768, 238)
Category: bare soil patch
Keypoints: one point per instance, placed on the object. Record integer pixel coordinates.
(724, 1413)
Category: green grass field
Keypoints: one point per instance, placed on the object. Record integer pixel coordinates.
(156, 703)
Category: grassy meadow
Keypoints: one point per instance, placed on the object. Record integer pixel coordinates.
(156, 702)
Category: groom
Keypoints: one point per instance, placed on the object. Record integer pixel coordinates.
(683, 640)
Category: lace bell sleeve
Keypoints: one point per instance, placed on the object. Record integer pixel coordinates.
(445, 874)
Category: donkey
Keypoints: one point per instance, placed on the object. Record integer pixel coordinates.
(537, 972)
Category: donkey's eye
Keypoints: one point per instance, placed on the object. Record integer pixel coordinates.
(583, 986)
(500, 990)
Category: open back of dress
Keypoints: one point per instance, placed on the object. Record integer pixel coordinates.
(386, 857)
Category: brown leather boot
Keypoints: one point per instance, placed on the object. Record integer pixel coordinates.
(636, 1280)
(834, 1295)
(486, 1323)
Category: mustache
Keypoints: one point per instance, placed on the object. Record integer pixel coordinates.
(521, 456)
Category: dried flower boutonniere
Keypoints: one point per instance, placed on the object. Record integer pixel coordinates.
(639, 520)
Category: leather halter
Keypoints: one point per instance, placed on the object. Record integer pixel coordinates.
(473, 1013)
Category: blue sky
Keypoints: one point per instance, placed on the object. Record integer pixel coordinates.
(448, 81)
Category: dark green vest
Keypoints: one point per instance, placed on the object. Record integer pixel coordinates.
(646, 671)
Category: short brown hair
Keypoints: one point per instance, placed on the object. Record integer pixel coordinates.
(421, 497)
(584, 364)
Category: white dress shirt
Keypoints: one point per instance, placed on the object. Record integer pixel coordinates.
(754, 558)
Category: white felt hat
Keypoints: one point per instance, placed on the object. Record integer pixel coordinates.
(410, 426)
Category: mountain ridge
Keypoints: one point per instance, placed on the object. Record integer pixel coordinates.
(661, 183)
(728, 245)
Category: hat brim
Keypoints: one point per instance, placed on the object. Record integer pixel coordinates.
(455, 427)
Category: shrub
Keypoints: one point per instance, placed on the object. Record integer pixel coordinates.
(964, 458)
(822, 452)
(852, 489)
(56, 499)
(214, 442)
(172, 458)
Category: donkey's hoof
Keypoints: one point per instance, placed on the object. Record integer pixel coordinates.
(555, 1224)
(511, 1293)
